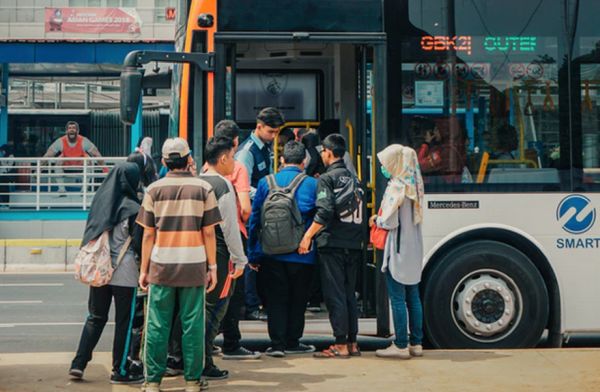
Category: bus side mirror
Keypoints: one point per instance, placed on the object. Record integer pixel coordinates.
(131, 90)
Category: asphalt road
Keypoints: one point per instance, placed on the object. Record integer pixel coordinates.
(45, 313)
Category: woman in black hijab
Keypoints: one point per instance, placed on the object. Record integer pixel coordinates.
(114, 209)
(147, 168)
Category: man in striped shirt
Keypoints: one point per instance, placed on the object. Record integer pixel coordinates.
(179, 214)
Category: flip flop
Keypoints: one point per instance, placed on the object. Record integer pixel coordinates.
(331, 353)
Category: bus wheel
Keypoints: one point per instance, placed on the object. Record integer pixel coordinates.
(485, 294)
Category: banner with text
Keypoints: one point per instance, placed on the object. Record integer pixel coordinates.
(93, 20)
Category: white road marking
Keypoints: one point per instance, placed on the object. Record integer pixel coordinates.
(20, 302)
(36, 273)
(13, 325)
(32, 284)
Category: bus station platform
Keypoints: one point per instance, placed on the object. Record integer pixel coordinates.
(440, 370)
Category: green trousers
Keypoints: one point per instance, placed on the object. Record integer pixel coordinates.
(159, 316)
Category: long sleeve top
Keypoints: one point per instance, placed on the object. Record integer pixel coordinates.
(403, 252)
(228, 228)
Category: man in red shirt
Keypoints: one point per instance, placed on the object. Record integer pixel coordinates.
(72, 145)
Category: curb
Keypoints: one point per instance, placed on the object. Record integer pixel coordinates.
(38, 254)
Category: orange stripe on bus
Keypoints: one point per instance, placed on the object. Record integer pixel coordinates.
(198, 7)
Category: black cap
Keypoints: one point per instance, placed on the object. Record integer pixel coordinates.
(271, 117)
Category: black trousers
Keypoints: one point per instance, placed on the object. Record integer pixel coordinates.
(231, 322)
(99, 302)
(138, 327)
(316, 294)
(339, 268)
(287, 290)
(230, 326)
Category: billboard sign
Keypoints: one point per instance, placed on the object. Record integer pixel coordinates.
(92, 20)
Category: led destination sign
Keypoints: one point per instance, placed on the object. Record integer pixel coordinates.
(512, 44)
(464, 43)
(442, 43)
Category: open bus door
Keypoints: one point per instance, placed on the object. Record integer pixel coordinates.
(340, 77)
(337, 47)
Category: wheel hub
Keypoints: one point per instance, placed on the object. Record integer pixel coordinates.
(486, 305)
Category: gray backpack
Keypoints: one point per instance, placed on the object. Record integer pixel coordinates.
(282, 224)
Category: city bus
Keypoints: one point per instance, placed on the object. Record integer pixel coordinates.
(500, 100)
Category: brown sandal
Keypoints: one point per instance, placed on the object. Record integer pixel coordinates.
(331, 353)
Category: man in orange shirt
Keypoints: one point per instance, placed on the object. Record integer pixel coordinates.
(240, 180)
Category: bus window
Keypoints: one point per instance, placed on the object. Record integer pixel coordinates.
(590, 140)
(480, 101)
(586, 69)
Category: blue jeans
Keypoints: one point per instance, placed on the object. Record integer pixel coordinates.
(403, 297)
(250, 291)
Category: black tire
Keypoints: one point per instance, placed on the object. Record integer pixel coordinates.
(443, 326)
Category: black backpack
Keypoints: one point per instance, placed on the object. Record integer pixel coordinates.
(282, 224)
(348, 196)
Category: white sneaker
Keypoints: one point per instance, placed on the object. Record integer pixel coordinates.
(416, 350)
(393, 352)
(151, 387)
(196, 386)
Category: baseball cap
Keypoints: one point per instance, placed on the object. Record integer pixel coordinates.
(271, 117)
(175, 146)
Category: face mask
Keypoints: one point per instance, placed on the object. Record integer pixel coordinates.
(385, 173)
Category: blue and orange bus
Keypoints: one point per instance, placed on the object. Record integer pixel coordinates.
(500, 101)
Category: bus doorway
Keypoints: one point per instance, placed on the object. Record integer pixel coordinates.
(322, 63)
(322, 87)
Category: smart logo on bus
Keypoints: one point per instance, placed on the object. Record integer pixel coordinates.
(576, 215)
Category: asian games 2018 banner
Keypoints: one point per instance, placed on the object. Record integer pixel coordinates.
(93, 20)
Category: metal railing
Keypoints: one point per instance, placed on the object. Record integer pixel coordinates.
(51, 183)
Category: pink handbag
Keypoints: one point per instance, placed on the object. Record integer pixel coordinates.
(93, 264)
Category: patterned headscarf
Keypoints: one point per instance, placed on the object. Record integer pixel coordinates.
(406, 181)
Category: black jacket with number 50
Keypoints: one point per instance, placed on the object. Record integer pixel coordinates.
(344, 233)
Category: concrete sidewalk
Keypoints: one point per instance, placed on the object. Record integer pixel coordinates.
(514, 370)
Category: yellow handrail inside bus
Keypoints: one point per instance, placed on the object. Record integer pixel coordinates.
(372, 185)
(527, 162)
(291, 124)
(485, 161)
(350, 127)
(359, 166)
(483, 167)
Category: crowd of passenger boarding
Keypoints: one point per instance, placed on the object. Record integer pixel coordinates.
(188, 254)
(187, 249)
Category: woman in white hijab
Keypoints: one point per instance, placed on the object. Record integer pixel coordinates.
(401, 214)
